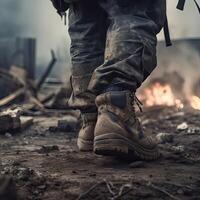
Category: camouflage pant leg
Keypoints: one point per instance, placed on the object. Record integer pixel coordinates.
(87, 29)
(131, 45)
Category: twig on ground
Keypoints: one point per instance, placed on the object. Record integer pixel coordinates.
(90, 190)
(121, 193)
(110, 186)
(161, 190)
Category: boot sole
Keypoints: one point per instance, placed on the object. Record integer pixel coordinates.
(85, 145)
(112, 144)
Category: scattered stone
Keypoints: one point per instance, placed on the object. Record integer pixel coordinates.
(137, 164)
(42, 187)
(23, 173)
(70, 124)
(165, 138)
(147, 121)
(9, 122)
(182, 127)
(26, 122)
(193, 130)
(16, 163)
(13, 112)
(178, 149)
(8, 135)
(180, 191)
(48, 149)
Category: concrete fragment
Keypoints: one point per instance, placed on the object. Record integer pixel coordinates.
(183, 126)
(9, 123)
(69, 124)
(178, 149)
(25, 122)
(8, 135)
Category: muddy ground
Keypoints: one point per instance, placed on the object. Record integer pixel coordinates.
(46, 165)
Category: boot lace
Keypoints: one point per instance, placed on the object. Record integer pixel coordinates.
(135, 100)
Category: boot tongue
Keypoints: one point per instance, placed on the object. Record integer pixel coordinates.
(119, 99)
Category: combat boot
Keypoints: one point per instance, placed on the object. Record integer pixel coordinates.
(118, 132)
(86, 134)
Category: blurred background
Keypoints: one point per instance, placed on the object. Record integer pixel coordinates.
(40, 29)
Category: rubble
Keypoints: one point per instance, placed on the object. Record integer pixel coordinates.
(12, 121)
(193, 130)
(178, 149)
(26, 122)
(9, 122)
(49, 167)
(183, 126)
(69, 124)
(8, 135)
(44, 162)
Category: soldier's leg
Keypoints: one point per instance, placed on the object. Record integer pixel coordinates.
(130, 58)
(87, 29)
(131, 44)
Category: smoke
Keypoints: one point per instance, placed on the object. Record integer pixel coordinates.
(38, 19)
(183, 24)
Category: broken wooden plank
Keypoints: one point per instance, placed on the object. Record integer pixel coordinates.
(48, 71)
(9, 123)
(12, 97)
(25, 122)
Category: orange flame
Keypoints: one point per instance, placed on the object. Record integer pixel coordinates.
(160, 94)
(195, 102)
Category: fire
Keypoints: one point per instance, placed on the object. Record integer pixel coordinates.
(195, 102)
(160, 94)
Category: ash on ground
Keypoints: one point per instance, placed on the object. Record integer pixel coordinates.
(43, 163)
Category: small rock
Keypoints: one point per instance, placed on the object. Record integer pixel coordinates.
(69, 124)
(178, 149)
(16, 163)
(8, 135)
(180, 192)
(48, 149)
(146, 122)
(165, 138)
(24, 173)
(182, 127)
(193, 130)
(137, 164)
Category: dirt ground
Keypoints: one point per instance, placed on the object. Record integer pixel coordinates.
(46, 165)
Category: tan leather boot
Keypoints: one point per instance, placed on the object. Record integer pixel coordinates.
(86, 134)
(118, 132)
